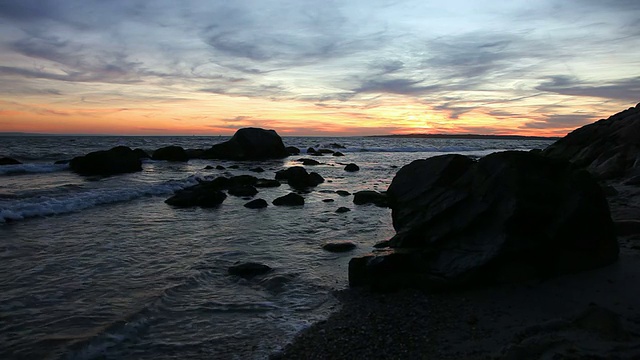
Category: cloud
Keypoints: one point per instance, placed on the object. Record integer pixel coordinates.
(568, 121)
(622, 89)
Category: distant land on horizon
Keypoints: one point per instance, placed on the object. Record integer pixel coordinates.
(469, 136)
(416, 135)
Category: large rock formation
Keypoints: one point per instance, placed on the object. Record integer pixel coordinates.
(510, 215)
(118, 160)
(171, 153)
(607, 148)
(249, 144)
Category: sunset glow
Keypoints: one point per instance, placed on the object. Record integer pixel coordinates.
(316, 68)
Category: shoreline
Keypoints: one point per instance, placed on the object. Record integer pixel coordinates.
(593, 313)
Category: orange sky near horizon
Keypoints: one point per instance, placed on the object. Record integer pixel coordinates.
(349, 69)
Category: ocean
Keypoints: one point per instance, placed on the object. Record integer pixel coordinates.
(102, 268)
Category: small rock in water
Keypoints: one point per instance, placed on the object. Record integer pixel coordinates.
(256, 204)
(339, 246)
(257, 169)
(290, 199)
(310, 162)
(342, 209)
(208, 167)
(328, 200)
(248, 270)
(343, 193)
(9, 161)
(351, 167)
(338, 153)
(242, 190)
(220, 167)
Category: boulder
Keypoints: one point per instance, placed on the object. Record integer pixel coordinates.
(342, 210)
(290, 199)
(338, 153)
(343, 193)
(248, 270)
(198, 195)
(310, 162)
(370, 197)
(118, 160)
(257, 169)
(509, 216)
(249, 144)
(208, 167)
(351, 167)
(292, 150)
(9, 161)
(242, 190)
(607, 148)
(170, 153)
(141, 153)
(220, 167)
(339, 246)
(256, 204)
(298, 177)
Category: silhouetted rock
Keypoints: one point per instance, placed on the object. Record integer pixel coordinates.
(242, 190)
(249, 144)
(342, 209)
(298, 177)
(290, 199)
(257, 169)
(325, 151)
(208, 167)
(370, 197)
(220, 167)
(339, 246)
(118, 160)
(248, 270)
(170, 153)
(9, 161)
(234, 166)
(292, 150)
(141, 154)
(194, 153)
(242, 180)
(351, 167)
(202, 195)
(336, 146)
(343, 193)
(256, 204)
(607, 148)
(310, 162)
(328, 200)
(338, 153)
(509, 216)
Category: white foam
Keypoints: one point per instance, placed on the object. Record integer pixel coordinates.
(47, 206)
(32, 168)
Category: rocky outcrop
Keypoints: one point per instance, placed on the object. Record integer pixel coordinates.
(118, 160)
(298, 177)
(607, 148)
(509, 216)
(370, 197)
(249, 144)
(170, 153)
(9, 161)
(291, 199)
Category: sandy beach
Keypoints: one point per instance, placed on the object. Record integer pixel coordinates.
(593, 314)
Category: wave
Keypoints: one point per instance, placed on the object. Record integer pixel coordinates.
(55, 205)
(32, 168)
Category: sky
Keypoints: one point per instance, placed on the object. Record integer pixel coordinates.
(303, 67)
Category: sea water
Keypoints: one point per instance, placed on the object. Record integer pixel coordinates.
(102, 268)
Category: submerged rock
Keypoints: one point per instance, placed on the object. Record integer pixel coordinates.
(198, 195)
(339, 246)
(509, 216)
(170, 153)
(242, 190)
(249, 269)
(370, 197)
(256, 204)
(117, 160)
(249, 144)
(290, 199)
(9, 161)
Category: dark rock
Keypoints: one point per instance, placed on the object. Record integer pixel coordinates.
(351, 167)
(338, 153)
(256, 204)
(292, 150)
(336, 146)
(607, 148)
(257, 169)
(208, 167)
(242, 180)
(194, 153)
(141, 154)
(9, 161)
(248, 270)
(249, 144)
(339, 246)
(328, 200)
(198, 195)
(220, 167)
(370, 197)
(310, 162)
(342, 209)
(234, 166)
(290, 199)
(509, 216)
(170, 153)
(242, 190)
(627, 227)
(266, 183)
(311, 150)
(343, 193)
(118, 160)
(298, 177)
(325, 151)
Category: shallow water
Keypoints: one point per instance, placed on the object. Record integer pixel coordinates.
(103, 268)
